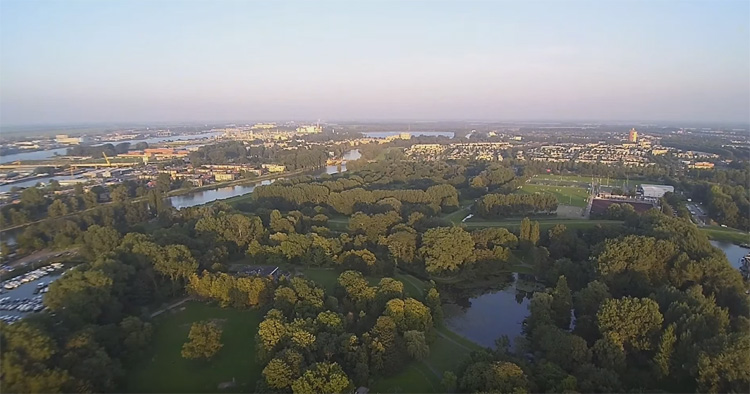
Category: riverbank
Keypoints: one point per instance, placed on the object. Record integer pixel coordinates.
(172, 193)
(238, 182)
(726, 234)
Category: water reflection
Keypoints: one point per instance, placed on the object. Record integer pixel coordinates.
(38, 155)
(733, 252)
(207, 196)
(485, 313)
(489, 316)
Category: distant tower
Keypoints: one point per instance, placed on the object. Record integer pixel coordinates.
(633, 137)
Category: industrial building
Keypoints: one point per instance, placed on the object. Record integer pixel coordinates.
(653, 191)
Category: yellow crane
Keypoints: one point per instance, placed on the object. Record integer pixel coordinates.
(106, 158)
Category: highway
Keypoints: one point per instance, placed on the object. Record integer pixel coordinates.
(700, 215)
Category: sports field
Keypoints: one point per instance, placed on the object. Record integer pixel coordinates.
(566, 195)
(165, 371)
(578, 180)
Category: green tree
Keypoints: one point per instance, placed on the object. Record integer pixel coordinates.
(609, 353)
(204, 341)
(562, 302)
(322, 378)
(57, 208)
(449, 382)
(416, 345)
(663, 357)
(119, 194)
(498, 376)
(278, 374)
(432, 300)
(446, 249)
(534, 233)
(635, 321)
(98, 240)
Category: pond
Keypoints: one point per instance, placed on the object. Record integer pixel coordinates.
(486, 317)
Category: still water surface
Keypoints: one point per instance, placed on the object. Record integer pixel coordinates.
(207, 196)
(48, 154)
(498, 313)
(385, 134)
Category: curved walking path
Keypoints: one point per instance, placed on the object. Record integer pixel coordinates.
(175, 305)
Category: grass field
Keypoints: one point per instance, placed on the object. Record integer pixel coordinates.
(165, 371)
(726, 234)
(447, 352)
(327, 278)
(566, 195)
(564, 180)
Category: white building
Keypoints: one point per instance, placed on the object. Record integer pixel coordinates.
(313, 129)
(653, 191)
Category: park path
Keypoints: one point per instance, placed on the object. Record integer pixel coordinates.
(459, 344)
(175, 305)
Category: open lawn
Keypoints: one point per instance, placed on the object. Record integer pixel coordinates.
(165, 371)
(575, 196)
(447, 352)
(327, 278)
(726, 234)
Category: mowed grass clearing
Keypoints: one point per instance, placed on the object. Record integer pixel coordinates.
(165, 371)
(726, 234)
(447, 353)
(565, 195)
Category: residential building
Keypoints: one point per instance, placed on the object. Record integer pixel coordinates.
(274, 167)
(633, 136)
(224, 176)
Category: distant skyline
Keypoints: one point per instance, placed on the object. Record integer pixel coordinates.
(201, 61)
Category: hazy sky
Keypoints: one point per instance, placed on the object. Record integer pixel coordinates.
(97, 61)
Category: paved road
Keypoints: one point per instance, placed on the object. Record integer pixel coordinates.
(38, 256)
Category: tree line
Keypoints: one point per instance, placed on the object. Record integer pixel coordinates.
(504, 205)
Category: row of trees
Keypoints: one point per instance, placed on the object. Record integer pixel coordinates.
(95, 151)
(504, 205)
(348, 201)
(237, 152)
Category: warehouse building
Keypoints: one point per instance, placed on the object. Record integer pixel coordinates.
(653, 191)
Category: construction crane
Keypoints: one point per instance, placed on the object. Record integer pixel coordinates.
(106, 158)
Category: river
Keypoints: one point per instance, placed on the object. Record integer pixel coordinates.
(50, 153)
(385, 134)
(207, 196)
(733, 252)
